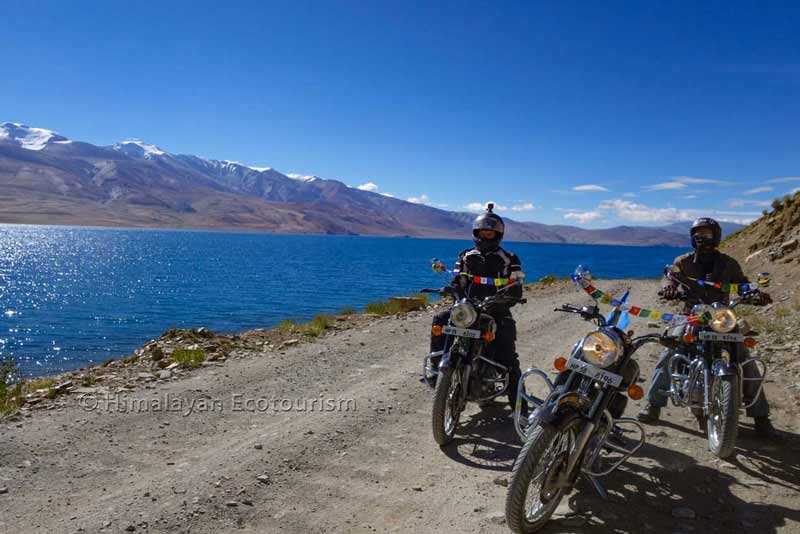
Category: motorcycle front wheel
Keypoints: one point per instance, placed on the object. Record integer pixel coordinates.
(533, 494)
(446, 406)
(723, 416)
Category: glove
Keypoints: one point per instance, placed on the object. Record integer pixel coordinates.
(670, 293)
(762, 299)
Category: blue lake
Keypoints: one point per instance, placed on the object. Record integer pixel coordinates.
(76, 296)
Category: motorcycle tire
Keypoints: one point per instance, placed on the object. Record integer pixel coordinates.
(723, 420)
(444, 429)
(538, 443)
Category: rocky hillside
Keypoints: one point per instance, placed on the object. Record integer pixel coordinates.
(772, 244)
(46, 178)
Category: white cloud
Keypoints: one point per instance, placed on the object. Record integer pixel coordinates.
(528, 206)
(795, 190)
(757, 190)
(629, 195)
(388, 195)
(481, 206)
(738, 203)
(642, 214)
(422, 199)
(589, 187)
(681, 182)
(584, 217)
(784, 180)
(369, 186)
(690, 197)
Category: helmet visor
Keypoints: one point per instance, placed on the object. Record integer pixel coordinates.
(704, 233)
(488, 223)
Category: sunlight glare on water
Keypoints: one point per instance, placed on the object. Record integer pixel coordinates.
(76, 296)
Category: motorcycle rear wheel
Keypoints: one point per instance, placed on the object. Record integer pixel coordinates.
(723, 417)
(545, 452)
(446, 407)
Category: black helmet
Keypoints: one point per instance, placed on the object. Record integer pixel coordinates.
(701, 243)
(488, 221)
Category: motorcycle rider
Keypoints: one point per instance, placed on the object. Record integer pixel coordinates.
(706, 263)
(488, 259)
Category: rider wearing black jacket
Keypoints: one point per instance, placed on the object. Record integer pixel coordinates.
(489, 260)
(708, 264)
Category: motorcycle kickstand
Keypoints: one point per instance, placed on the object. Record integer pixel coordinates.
(598, 486)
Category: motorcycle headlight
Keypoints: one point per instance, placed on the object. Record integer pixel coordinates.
(723, 320)
(602, 348)
(463, 314)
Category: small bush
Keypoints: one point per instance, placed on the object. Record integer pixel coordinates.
(391, 307)
(317, 325)
(189, 358)
(383, 307)
(39, 383)
(776, 204)
(11, 395)
(348, 311)
(286, 326)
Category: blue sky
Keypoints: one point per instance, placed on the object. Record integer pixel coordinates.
(563, 112)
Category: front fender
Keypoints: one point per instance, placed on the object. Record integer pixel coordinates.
(449, 360)
(723, 368)
(559, 407)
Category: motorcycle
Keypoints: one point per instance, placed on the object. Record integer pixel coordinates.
(463, 372)
(707, 364)
(578, 427)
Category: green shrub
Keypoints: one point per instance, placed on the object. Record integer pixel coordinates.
(11, 395)
(391, 307)
(317, 325)
(189, 358)
(776, 204)
(286, 326)
(348, 311)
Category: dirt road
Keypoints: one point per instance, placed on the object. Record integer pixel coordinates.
(368, 464)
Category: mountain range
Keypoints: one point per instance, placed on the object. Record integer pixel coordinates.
(46, 178)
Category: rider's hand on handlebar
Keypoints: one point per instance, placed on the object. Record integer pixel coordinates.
(670, 293)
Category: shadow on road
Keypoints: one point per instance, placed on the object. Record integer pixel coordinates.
(486, 440)
(647, 495)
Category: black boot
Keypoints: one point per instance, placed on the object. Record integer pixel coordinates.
(763, 427)
(649, 414)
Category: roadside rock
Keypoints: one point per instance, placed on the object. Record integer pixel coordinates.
(497, 518)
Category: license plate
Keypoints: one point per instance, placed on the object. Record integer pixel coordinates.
(596, 373)
(461, 332)
(713, 336)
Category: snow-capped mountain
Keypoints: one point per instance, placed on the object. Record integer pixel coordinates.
(48, 179)
(28, 138)
(137, 149)
(301, 177)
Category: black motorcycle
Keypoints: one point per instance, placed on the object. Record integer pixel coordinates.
(462, 372)
(707, 364)
(578, 427)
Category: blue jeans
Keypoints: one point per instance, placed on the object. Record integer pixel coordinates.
(658, 394)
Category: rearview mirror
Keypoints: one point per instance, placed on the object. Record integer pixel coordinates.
(438, 266)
